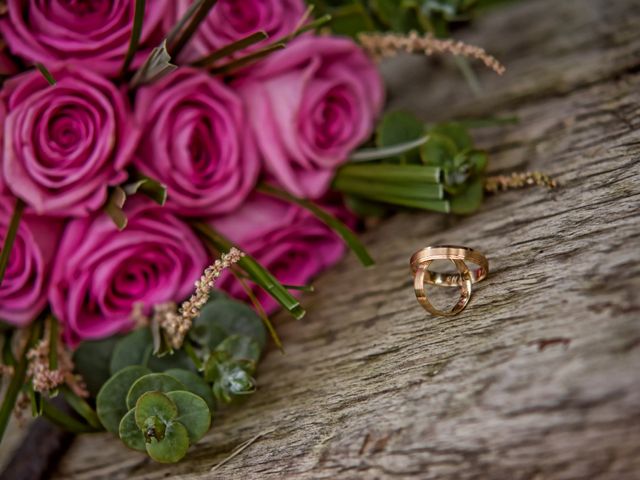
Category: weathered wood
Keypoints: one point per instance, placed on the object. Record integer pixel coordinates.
(539, 377)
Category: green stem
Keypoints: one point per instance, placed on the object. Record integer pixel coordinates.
(18, 379)
(192, 27)
(349, 237)
(302, 288)
(231, 48)
(442, 206)
(53, 342)
(10, 237)
(136, 31)
(60, 418)
(392, 173)
(257, 272)
(246, 60)
(188, 348)
(46, 73)
(367, 188)
(81, 406)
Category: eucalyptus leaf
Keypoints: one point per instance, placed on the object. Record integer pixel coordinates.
(350, 20)
(177, 359)
(469, 200)
(158, 382)
(240, 347)
(224, 317)
(438, 151)
(154, 404)
(131, 349)
(111, 403)
(130, 433)
(91, 360)
(398, 128)
(193, 414)
(194, 383)
(456, 132)
(172, 447)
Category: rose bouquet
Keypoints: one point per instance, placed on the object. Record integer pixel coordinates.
(141, 140)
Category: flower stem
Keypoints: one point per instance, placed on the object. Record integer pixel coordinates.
(18, 379)
(188, 348)
(63, 420)
(200, 14)
(10, 237)
(136, 31)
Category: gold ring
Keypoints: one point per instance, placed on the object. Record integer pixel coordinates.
(448, 252)
(421, 260)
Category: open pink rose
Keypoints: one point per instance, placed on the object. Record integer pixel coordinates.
(65, 144)
(196, 142)
(310, 105)
(23, 292)
(288, 240)
(231, 20)
(95, 32)
(100, 272)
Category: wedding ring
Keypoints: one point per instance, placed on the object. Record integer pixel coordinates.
(448, 252)
(421, 260)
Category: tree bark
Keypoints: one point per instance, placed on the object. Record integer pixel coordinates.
(540, 376)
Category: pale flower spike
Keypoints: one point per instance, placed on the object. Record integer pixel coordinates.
(383, 45)
(177, 324)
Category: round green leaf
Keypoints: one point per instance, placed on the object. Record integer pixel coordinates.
(172, 447)
(240, 347)
(470, 199)
(456, 132)
(438, 151)
(111, 403)
(130, 433)
(154, 404)
(193, 413)
(131, 350)
(194, 383)
(153, 382)
(225, 317)
(91, 360)
(177, 359)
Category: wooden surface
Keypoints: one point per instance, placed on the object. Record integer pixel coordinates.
(540, 377)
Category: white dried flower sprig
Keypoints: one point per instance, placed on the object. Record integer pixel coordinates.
(44, 379)
(176, 324)
(383, 45)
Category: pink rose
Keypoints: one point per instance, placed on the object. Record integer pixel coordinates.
(65, 144)
(310, 105)
(286, 239)
(231, 20)
(95, 33)
(196, 142)
(100, 272)
(23, 292)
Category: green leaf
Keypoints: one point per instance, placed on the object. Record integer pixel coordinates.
(350, 20)
(177, 359)
(172, 447)
(349, 237)
(470, 199)
(132, 349)
(136, 31)
(240, 347)
(154, 404)
(91, 360)
(257, 272)
(130, 434)
(221, 318)
(114, 206)
(81, 407)
(398, 128)
(456, 132)
(111, 402)
(158, 382)
(195, 384)
(10, 237)
(438, 151)
(193, 413)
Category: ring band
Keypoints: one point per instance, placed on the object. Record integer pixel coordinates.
(465, 288)
(450, 252)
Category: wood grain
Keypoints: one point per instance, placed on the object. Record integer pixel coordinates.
(540, 377)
